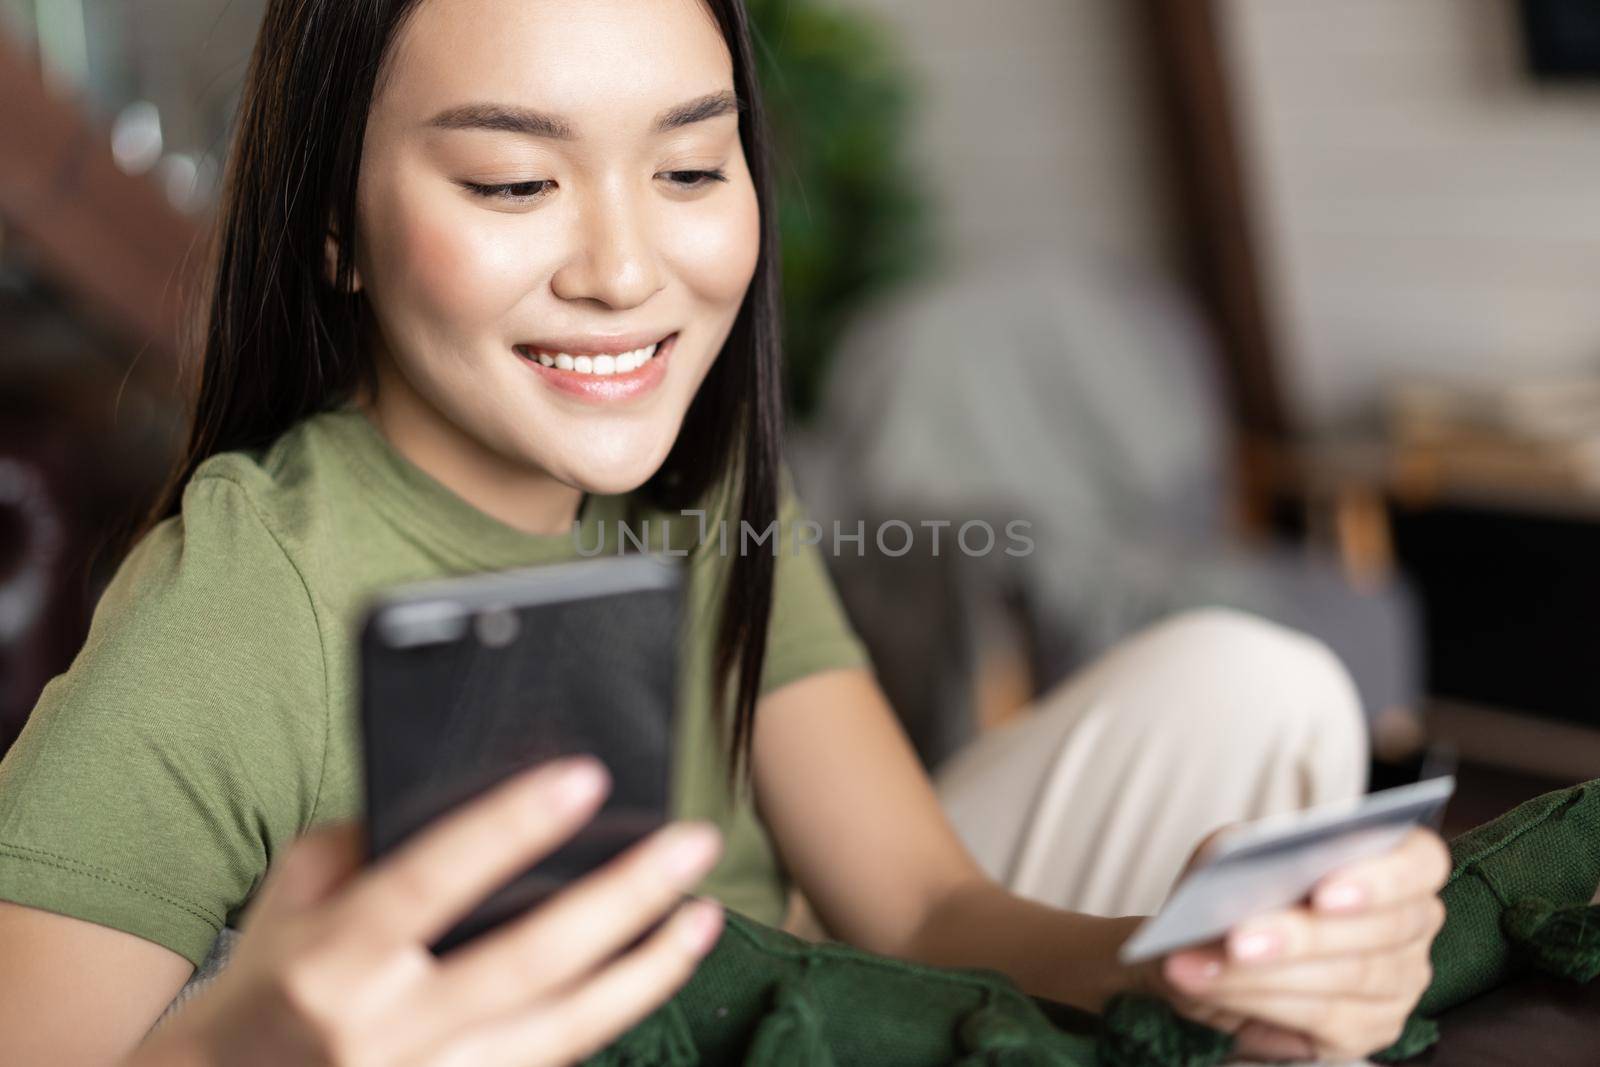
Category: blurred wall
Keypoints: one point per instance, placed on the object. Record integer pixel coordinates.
(1424, 206)
(1039, 128)
(189, 56)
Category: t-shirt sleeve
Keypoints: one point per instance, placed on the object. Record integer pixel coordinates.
(809, 631)
(159, 774)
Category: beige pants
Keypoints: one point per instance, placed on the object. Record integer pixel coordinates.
(1094, 799)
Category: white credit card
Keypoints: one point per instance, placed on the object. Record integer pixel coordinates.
(1275, 862)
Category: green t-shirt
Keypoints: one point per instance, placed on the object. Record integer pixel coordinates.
(210, 716)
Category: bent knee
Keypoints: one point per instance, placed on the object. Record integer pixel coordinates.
(1259, 672)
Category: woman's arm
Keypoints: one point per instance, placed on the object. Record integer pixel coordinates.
(334, 965)
(858, 824)
(77, 993)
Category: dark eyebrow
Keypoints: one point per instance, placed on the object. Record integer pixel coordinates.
(706, 107)
(508, 119)
(504, 119)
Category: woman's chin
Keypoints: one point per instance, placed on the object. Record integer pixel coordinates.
(614, 477)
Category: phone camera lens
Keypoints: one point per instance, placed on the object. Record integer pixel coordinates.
(497, 627)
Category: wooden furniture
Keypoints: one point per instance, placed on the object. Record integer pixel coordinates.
(1535, 1021)
(1505, 556)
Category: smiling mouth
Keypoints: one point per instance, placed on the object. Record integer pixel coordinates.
(598, 364)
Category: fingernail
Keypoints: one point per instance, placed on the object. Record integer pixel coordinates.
(689, 850)
(579, 784)
(1259, 945)
(1196, 971)
(702, 923)
(1341, 896)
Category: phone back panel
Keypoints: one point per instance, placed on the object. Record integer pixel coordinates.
(466, 683)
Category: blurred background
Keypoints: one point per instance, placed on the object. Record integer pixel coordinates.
(1289, 305)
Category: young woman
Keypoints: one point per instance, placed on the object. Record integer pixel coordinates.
(489, 268)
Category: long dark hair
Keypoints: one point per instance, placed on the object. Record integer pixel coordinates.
(282, 341)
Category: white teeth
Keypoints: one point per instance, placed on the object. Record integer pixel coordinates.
(605, 364)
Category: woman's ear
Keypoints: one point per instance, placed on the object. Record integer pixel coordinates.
(330, 249)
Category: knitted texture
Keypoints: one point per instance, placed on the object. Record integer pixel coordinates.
(863, 1008)
(1145, 1031)
(1417, 1036)
(660, 1040)
(1535, 861)
(1564, 942)
(791, 1033)
(1517, 897)
(766, 999)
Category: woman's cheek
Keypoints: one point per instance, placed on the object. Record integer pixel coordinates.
(716, 249)
(464, 270)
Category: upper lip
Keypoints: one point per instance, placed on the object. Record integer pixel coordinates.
(595, 344)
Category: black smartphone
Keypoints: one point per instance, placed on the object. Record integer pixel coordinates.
(465, 681)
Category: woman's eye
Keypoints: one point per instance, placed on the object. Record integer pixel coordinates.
(523, 192)
(690, 179)
(513, 191)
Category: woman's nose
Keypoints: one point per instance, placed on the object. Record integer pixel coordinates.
(612, 261)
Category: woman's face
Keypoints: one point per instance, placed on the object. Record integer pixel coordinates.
(552, 191)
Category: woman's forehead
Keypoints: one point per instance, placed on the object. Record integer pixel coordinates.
(600, 59)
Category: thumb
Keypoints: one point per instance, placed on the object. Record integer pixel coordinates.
(307, 872)
(1205, 843)
(1261, 1040)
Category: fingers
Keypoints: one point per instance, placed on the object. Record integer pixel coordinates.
(1379, 904)
(1206, 842)
(424, 887)
(1346, 1004)
(1302, 934)
(1340, 979)
(1341, 1028)
(1401, 972)
(580, 927)
(1418, 865)
(590, 1015)
(1263, 1041)
(307, 871)
(1220, 1019)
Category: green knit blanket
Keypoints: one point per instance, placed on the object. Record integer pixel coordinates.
(1518, 898)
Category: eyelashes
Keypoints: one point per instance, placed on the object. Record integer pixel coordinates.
(518, 191)
(529, 191)
(691, 179)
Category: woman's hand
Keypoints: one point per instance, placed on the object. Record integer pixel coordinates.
(1332, 979)
(334, 968)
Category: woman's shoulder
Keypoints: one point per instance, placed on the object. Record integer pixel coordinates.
(220, 565)
(186, 742)
(280, 486)
(235, 557)
(206, 626)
